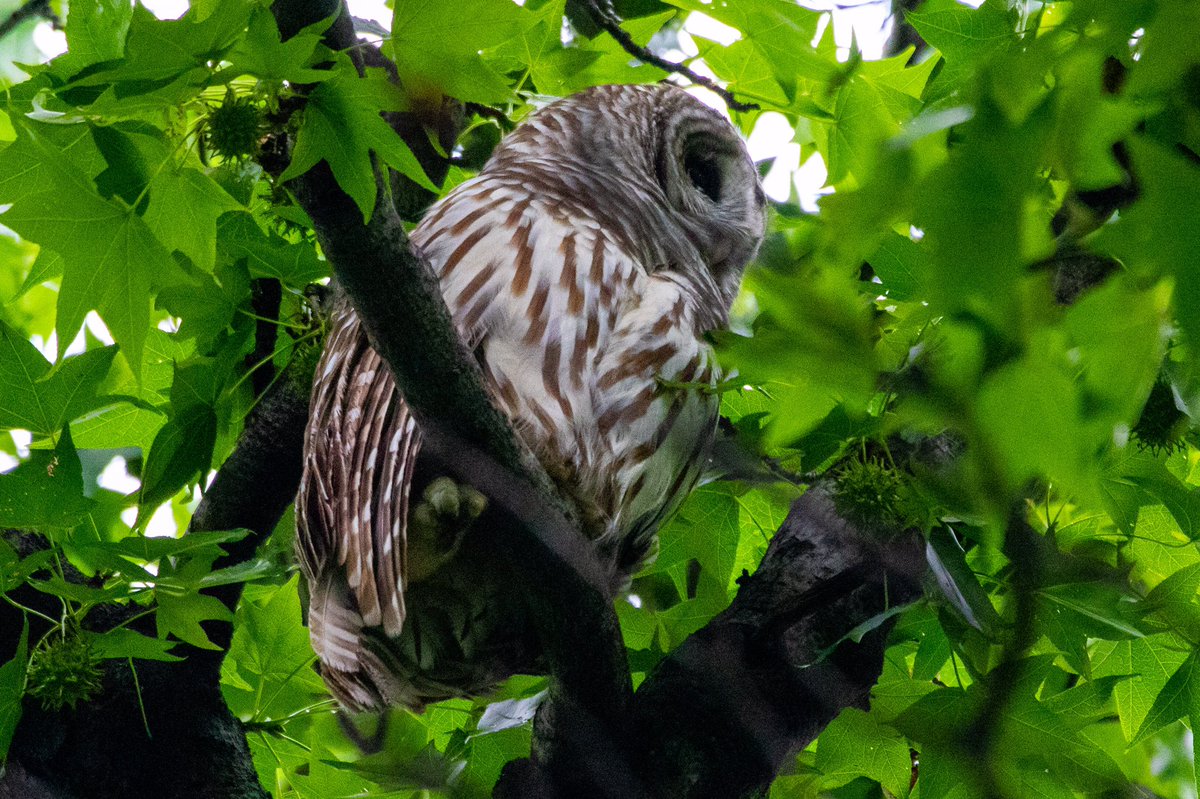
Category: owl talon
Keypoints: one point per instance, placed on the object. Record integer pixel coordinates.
(443, 495)
(437, 524)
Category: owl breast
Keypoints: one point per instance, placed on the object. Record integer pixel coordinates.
(585, 350)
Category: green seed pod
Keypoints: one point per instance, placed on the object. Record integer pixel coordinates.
(1163, 422)
(63, 672)
(235, 128)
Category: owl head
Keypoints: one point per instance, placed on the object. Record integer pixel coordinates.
(710, 185)
(659, 165)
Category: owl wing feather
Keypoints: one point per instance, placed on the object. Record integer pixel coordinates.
(353, 500)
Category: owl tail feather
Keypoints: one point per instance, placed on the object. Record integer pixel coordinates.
(335, 628)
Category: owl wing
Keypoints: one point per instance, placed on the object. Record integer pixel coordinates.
(360, 449)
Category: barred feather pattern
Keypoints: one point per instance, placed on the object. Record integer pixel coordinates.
(583, 266)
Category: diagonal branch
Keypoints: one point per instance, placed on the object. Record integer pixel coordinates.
(30, 10)
(603, 15)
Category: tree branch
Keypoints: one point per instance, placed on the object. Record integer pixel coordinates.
(722, 714)
(603, 15)
(31, 10)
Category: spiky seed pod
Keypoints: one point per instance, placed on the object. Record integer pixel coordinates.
(1162, 424)
(235, 128)
(63, 672)
(871, 495)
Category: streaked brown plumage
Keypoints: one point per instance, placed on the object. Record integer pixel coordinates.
(585, 262)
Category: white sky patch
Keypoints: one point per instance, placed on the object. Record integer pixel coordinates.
(116, 477)
(92, 323)
(7, 462)
(704, 26)
(868, 23)
(162, 523)
(21, 439)
(49, 41)
(166, 9)
(772, 136)
(809, 181)
(375, 10)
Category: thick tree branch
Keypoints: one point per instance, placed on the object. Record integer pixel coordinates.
(723, 713)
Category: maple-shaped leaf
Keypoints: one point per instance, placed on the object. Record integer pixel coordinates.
(36, 397)
(109, 253)
(342, 127)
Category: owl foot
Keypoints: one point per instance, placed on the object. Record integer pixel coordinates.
(437, 524)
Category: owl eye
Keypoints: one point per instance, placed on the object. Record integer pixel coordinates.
(705, 174)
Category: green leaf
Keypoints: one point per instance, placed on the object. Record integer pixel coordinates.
(975, 213)
(855, 744)
(899, 262)
(1180, 697)
(159, 51)
(182, 451)
(436, 46)
(181, 616)
(45, 492)
(96, 32)
(1101, 610)
(271, 654)
(861, 122)
(12, 690)
(1151, 660)
(108, 252)
(183, 448)
(125, 643)
(898, 686)
(1156, 237)
(965, 37)
(183, 211)
(1028, 417)
(782, 32)
(42, 399)
(1118, 329)
(342, 126)
(1086, 703)
(1174, 599)
(748, 71)
(1181, 500)
(705, 529)
(946, 773)
(958, 582)
(148, 549)
(268, 255)
(263, 55)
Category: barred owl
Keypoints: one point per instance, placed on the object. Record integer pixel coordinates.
(582, 266)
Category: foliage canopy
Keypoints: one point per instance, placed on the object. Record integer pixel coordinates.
(1008, 261)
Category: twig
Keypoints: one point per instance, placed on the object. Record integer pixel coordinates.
(34, 8)
(606, 19)
(494, 114)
